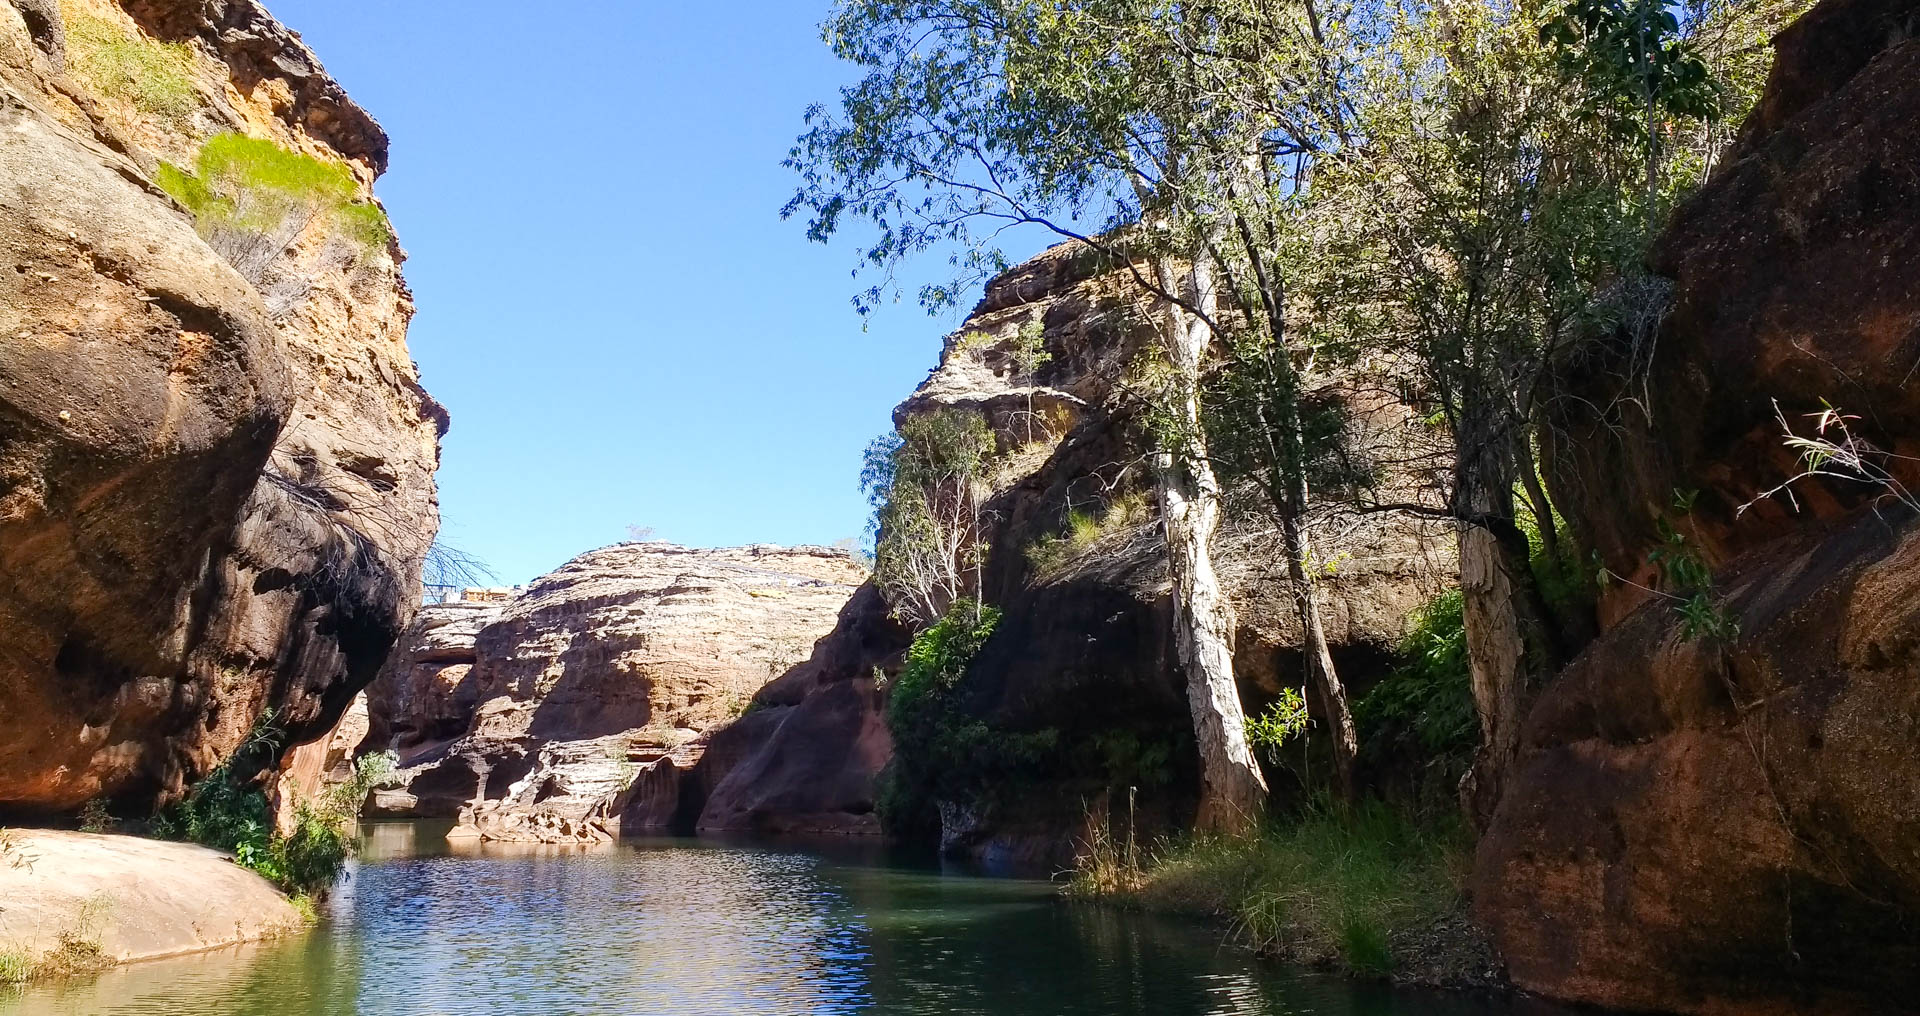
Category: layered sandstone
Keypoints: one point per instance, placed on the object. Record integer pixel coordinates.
(214, 499)
(569, 712)
(1085, 647)
(1721, 826)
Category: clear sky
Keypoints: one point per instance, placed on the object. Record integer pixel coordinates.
(609, 304)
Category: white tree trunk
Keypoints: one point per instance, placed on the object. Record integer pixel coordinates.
(1232, 791)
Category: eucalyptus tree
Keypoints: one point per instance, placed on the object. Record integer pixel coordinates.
(1499, 200)
(1162, 122)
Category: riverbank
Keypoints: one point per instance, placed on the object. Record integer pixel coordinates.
(77, 902)
(1372, 892)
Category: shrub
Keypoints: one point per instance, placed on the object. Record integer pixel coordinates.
(1283, 721)
(1423, 710)
(928, 485)
(94, 817)
(252, 200)
(120, 63)
(221, 813)
(940, 752)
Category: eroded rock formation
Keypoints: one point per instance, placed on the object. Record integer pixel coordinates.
(1085, 647)
(1733, 825)
(571, 712)
(214, 500)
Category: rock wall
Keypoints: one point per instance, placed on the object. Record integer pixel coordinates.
(1716, 827)
(215, 496)
(1085, 646)
(579, 705)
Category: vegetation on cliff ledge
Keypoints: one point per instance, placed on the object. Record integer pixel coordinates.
(124, 65)
(253, 200)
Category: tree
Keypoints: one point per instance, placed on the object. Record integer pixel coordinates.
(927, 483)
(1633, 57)
(976, 116)
(1498, 222)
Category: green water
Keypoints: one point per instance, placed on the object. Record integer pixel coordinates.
(687, 928)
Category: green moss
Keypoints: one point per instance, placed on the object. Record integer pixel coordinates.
(120, 63)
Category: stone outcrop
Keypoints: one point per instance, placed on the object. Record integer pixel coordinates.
(573, 711)
(1716, 827)
(214, 500)
(1085, 646)
(135, 899)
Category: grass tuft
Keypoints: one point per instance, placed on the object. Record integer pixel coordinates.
(1327, 886)
(120, 63)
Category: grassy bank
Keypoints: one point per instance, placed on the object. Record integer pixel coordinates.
(77, 950)
(1368, 890)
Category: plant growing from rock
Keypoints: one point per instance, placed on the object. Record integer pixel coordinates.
(123, 64)
(253, 200)
(927, 482)
(942, 754)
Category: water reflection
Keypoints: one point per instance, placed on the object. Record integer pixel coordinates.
(689, 929)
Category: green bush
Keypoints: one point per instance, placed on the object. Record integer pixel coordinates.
(120, 63)
(1421, 717)
(940, 752)
(252, 199)
(221, 813)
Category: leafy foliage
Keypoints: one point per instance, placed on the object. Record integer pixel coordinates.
(1283, 721)
(221, 812)
(941, 753)
(1634, 56)
(1423, 709)
(1687, 579)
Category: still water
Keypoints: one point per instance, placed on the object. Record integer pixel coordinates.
(686, 928)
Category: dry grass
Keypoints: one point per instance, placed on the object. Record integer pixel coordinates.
(77, 950)
(154, 78)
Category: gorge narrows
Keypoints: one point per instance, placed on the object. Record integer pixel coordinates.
(1541, 511)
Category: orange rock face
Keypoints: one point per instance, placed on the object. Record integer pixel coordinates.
(215, 493)
(1719, 828)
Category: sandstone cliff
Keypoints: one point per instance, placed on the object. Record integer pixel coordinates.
(215, 493)
(1085, 647)
(571, 711)
(1734, 826)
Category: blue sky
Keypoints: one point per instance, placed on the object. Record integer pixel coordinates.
(609, 304)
